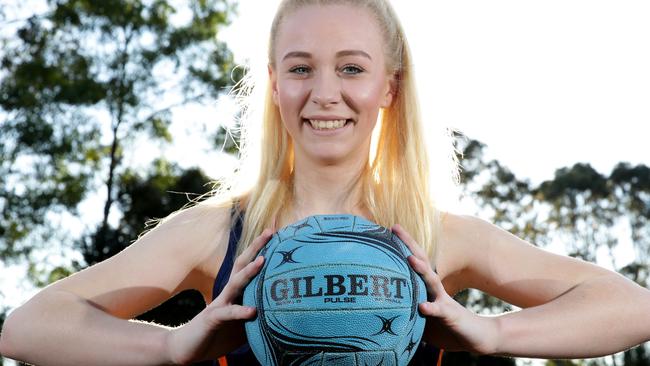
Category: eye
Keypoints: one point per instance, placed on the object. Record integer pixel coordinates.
(300, 69)
(352, 69)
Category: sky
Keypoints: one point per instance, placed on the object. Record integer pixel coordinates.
(543, 84)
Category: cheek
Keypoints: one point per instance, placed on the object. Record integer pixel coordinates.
(290, 99)
(367, 97)
(291, 95)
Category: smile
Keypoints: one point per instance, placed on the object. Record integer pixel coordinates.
(328, 124)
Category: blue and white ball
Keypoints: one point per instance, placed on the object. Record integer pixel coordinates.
(335, 290)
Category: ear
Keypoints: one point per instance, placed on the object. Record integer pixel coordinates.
(274, 83)
(391, 90)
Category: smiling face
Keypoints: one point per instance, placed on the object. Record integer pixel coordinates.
(329, 80)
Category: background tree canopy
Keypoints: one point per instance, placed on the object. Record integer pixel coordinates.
(82, 81)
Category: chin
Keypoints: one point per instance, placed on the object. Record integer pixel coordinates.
(330, 158)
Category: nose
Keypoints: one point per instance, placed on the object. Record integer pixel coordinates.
(326, 89)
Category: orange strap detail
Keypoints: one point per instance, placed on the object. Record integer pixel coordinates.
(440, 357)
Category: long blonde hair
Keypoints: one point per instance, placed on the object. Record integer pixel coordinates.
(396, 184)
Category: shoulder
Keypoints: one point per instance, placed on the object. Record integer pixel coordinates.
(461, 231)
(205, 226)
(196, 236)
(197, 225)
(210, 216)
(458, 235)
(468, 247)
(455, 226)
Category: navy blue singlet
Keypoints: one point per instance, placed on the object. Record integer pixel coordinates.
(243, 356)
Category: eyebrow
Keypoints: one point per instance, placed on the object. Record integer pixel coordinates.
(301, 54)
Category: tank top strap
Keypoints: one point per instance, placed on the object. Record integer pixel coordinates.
(229, 259)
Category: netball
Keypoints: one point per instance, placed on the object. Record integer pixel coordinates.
(335, 290)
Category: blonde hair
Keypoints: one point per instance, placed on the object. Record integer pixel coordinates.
(395, 184)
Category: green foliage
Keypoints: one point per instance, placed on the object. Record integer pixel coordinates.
(637, 356)
(44, 277)
(581, 199)
(80, 82)
(563, 363)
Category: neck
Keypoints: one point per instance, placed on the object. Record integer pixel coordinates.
(326, 189)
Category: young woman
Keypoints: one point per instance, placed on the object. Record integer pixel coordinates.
(334, 67)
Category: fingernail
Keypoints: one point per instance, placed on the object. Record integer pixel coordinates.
(426, 306)
(411, 258)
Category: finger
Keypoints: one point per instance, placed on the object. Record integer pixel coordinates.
(222, 314)
(239, 280)
(249, 253)
(413, 246)
(431, 309)
(431, 279)
(264, 238)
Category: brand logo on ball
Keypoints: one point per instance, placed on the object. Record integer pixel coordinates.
(380, 287)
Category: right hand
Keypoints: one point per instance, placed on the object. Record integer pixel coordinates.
(219, 328)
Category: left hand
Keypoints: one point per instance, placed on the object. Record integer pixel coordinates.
(449, 325)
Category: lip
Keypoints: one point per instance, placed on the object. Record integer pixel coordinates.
(327, 118)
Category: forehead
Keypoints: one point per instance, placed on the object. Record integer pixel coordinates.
(327, 29)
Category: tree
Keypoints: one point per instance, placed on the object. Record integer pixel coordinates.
(633, 192)
(81, 83)
(583, 210)
(142, 198)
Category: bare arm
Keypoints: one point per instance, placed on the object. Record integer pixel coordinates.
(61, 328)
(572, 309)
(83, 319)
(597, 317)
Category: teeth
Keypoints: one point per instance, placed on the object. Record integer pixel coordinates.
(327, 125)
